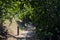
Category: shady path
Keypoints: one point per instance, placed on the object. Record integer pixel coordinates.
(25, 32)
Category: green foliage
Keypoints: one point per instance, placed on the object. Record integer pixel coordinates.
(11, 8)
(26, 11)
(46, 19)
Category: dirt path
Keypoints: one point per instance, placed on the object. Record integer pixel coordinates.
(12, 29)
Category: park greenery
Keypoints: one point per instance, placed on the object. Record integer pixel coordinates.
(44, 14)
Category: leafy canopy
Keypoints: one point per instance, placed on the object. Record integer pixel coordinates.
(12, 8)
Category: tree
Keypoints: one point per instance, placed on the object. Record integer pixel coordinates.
(44, 14)
(7, 11)
(13, 8)
(46, 19)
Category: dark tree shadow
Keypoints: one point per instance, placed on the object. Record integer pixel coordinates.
(21, 25)
(3, 33)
